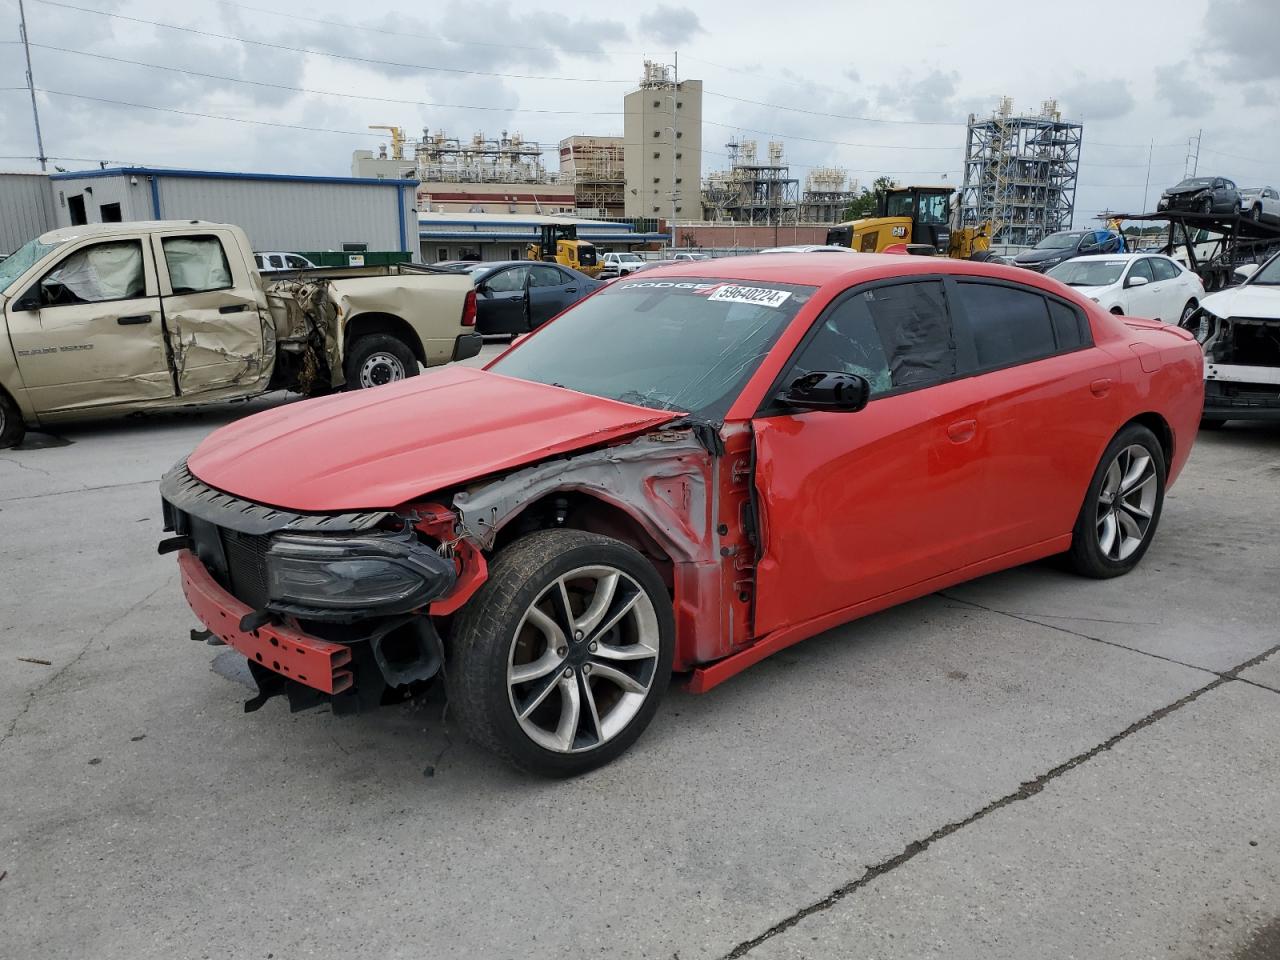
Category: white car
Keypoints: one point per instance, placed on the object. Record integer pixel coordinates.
(1148, 285)
(1260, 203)
(1239, 330)
(691, 256)
(273, 262)
(808, 248)
(622, 264)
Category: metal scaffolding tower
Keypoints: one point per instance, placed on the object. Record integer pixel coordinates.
(750, 191)
(1020, 174)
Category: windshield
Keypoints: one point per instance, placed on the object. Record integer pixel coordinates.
(1057, 241)
(1268, 276)
(12, 267)
(1196, 182)
(1088, 273)
(688, 344)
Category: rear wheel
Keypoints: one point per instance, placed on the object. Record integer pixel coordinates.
(1122, 506)
(560, 660)
(378, 359)
(12, 429)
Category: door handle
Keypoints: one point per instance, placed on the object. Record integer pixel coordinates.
(1100, 387)
(962, 430)
(129, 321)
(570, 289)
(233, 308)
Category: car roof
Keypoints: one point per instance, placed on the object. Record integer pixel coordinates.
(809, 270)
(128, 226)
(1128, 255)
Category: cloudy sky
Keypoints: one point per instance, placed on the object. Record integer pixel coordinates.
(291, 85)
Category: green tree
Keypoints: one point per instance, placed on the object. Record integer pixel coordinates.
(866, 203)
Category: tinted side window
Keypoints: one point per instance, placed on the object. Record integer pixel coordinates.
(897, 336)
(96, 274)
(1009, 325)
(1070, 328)
(196, 264)
(1142, 269)
(507, 281)
(541, 276)
(1163, 269)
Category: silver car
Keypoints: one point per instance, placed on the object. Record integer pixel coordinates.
(1260, 203)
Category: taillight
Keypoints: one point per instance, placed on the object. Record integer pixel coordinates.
(469, 309)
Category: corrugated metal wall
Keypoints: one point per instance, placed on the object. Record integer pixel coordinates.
(26, 209)
(277, 213)
(292, 215)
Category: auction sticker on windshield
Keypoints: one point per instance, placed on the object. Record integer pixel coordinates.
(757, 296)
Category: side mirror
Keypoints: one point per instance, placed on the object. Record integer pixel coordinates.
(1245, 271)
(482, 288)
(843, 392)
(1136, 282)
(29, 300)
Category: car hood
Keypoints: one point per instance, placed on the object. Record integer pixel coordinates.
(1096, 292)
(1245, 301)
(379, 448)
(1175, 191)
(1037, 256)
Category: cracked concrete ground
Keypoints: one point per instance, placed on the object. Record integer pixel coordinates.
(1030, 765)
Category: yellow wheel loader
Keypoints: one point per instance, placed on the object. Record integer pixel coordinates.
(558, 243)
(917, 218)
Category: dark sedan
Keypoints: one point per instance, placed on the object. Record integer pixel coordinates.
(1202, 195)
(515, 296)
(1067, 245)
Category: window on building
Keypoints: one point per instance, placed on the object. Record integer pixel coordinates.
(110, 213)
(105, 271)
(679, 156)
(679, 134)
(355, 248)
(656, 134)
(657, 179)
(657, 155)
(679, 104)
(657, 103)
(655, 209)
(514, 253)
(196, 264)
(75, 209)
(442, 254)
(679, 179)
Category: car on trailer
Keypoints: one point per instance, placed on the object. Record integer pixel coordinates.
(1261, 203)
(1202, 195)
(688, 471)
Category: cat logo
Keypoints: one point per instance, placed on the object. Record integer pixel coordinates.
(899, 231)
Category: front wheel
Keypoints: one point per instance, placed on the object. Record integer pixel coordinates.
(378, 359)
(1121, 507)
(1206, 205)
(1255, 213)
(1187, 313)
(559, 662)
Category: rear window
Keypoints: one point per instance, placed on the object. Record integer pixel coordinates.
(688, 344)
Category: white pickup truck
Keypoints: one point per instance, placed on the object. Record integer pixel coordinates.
(115, 318)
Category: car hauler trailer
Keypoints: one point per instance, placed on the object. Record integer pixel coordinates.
(1212, 245)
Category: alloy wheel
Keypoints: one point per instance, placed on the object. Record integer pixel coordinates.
(583, 659)
(1187, 312)
(1126, 503)
(381, 368)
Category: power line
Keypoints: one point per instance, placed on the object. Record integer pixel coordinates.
(377, 62)
(322, 93)
(421, 36)
(817, 113)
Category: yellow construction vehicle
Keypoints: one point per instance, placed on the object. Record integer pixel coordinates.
(559, 243)
(917, 218)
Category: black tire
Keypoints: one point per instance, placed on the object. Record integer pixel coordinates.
(12, 429)
(1212, 423)
(1088, 556)
(378, 358)
(1255, 212)
(1187, 312)
(487, 632)
(1238, 209)
(1206, 205)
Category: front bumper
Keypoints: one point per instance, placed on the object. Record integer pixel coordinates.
(290, 653)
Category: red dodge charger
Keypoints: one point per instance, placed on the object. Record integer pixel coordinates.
(685, 472)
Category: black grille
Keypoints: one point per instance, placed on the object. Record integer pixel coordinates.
(246, 555)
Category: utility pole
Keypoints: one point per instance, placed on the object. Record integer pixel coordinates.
(31, 85)
(1146, 186)
(1192, 165)
(675, 136)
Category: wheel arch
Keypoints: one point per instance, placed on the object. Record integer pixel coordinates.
(1158, 425)
(588, 510)
(364, 324)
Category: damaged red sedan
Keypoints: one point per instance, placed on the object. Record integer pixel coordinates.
(684, 472)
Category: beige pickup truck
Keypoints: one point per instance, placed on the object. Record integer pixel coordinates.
(116, 318)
